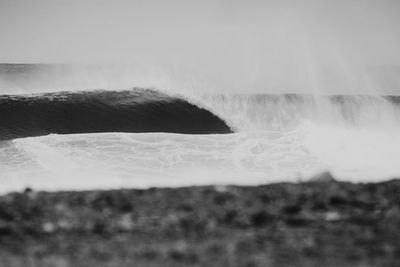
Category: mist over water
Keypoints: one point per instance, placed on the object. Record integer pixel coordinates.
(305, 85)
(317, 47)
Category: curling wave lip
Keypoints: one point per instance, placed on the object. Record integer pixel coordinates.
(134, 111)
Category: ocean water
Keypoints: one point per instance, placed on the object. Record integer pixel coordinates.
(112, 138)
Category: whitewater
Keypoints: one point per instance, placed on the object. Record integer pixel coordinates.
(276, 137)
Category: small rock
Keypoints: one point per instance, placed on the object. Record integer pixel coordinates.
(261, 218)
(332, 216)
(48, 227)
(28, 190)
(126, 222)
(323, 177)
(221, 188)
(29, 193)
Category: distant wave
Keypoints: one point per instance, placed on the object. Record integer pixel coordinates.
(136, 110)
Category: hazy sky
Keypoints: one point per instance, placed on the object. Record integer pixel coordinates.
(222, 37)
(171, 31)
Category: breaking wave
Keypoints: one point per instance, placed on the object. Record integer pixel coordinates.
(142, 138)
(103, 111)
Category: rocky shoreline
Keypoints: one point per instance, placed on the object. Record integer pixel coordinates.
(318, 223)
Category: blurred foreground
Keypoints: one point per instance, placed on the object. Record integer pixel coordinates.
(319, 223)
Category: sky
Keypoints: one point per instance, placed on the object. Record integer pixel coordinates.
(258, 39)
(124, 31)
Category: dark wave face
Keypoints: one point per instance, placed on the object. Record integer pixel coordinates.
(103, 111)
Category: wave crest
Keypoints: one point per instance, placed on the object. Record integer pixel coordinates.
(137, 110)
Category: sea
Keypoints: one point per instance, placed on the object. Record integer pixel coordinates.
(63, 133)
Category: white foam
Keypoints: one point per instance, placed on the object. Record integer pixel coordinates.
(356, 154)
(114, 160)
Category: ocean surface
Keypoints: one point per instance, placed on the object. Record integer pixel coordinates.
(94, 138)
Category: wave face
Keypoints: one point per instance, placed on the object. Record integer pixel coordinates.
(103, 111)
